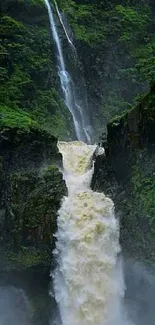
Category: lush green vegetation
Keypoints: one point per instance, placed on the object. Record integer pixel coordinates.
(115, 42)
(86, 21)
(117, 46)
(28, 77)
(16, 118)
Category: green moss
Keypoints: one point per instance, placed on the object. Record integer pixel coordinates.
(16, 119)
(33, 204)
(144, 190)
(27, 257)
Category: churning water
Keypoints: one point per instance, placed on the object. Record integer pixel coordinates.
(88, 281)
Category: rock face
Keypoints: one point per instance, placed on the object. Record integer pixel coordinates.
(30, 194)
(127, 173)
(31, 190)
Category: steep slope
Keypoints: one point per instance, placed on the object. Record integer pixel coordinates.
(127, 173)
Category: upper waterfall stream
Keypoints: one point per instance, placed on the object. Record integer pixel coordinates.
(71, 98)
(88, 280)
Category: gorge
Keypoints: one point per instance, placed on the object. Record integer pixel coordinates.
(80, 212)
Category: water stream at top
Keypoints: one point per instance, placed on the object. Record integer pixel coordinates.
(80, 118)
(63, 26)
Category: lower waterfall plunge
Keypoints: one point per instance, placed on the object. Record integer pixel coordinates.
(88, 280)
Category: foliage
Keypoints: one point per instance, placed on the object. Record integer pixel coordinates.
(27, 74)
(113, 105)
(16, 118)
(117, 47)
(131, 24)
(115, 41)
(85, 23)
(146, 61)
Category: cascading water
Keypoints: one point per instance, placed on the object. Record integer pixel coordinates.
(88, 281)
(63, 26)
(82, 127)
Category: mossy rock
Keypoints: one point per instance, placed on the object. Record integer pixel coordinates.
(31, 215)
(127, 174)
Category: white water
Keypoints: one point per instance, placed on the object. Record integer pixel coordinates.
(63, 26)
(88, 281)
(82, 130)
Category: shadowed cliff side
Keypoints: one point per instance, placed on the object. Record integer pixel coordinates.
(30, 193)
(127, 173)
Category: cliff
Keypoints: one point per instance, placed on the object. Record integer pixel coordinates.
(31, 190)
(127, 173)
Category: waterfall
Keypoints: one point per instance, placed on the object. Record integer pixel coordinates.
(81, 124)
(63, 26)
(88, 280)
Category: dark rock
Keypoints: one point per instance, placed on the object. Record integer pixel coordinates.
(31, 190)
(126, 174)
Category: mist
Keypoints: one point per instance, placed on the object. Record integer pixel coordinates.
(140, 292)
(14, 307)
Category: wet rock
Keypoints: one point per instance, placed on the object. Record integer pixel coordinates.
(126, 174)
(31, 190)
